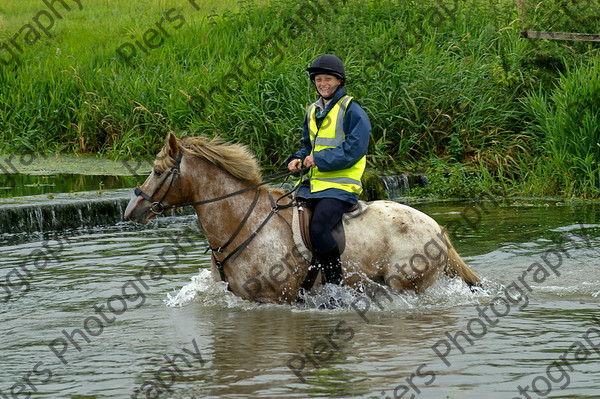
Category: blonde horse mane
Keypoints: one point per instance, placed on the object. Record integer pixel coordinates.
(236, 159)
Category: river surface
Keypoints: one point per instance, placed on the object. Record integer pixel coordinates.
(172, 332)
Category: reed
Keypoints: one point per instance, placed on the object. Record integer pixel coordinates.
(566, 125)
(443, 84)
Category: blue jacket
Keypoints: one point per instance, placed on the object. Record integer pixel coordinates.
(357, 129)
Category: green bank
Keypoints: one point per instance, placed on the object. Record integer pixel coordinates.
(451, 87)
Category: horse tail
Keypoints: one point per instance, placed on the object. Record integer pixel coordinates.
(456, 266)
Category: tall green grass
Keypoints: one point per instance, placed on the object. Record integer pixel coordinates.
(442, 86)
(567, 129)
(73, 93)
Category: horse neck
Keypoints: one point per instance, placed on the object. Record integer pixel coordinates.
(221, 218)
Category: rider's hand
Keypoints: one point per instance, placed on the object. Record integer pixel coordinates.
(295, 164)
(309, 161)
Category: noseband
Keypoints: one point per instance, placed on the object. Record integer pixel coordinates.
(157, 207)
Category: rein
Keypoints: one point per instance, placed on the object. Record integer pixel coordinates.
(158, 208)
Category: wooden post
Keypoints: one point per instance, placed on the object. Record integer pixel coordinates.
(585, 37)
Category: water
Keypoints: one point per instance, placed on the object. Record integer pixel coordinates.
(400, 185)
(23, 218)
(232, 348)
(20, 184)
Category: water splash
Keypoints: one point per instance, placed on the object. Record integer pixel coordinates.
(444, 293)
(209, 293)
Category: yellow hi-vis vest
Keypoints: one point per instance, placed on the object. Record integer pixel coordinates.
(330, 135)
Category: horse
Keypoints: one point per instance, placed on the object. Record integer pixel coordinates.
(250, 230)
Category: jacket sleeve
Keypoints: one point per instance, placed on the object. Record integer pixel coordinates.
(356, 144)
(305, 146)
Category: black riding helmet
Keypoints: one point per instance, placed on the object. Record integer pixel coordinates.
(327, 64)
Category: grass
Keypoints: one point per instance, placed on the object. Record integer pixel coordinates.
(452, 90)
(567, 124)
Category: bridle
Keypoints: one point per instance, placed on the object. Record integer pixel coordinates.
(158, 208)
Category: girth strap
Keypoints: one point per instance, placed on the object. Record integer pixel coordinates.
(220, 249)
(239, 228)
(275, 207)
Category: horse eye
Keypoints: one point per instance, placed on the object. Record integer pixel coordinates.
(157, 173)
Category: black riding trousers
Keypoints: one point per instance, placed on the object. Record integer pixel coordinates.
(327, 212)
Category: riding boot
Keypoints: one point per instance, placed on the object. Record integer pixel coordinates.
(311, 276)
(331, 265)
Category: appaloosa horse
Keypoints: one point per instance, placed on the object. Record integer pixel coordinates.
(249, 229)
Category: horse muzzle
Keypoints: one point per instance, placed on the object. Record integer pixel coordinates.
(136, 213)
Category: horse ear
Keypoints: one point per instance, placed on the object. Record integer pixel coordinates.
(173, 145)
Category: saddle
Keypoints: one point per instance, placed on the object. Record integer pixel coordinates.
(301, 224)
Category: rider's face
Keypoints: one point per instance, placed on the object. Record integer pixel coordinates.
(327, 84)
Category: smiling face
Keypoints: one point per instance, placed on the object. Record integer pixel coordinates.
(327, 84)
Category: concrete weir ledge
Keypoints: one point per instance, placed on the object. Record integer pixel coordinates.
(88, 209)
